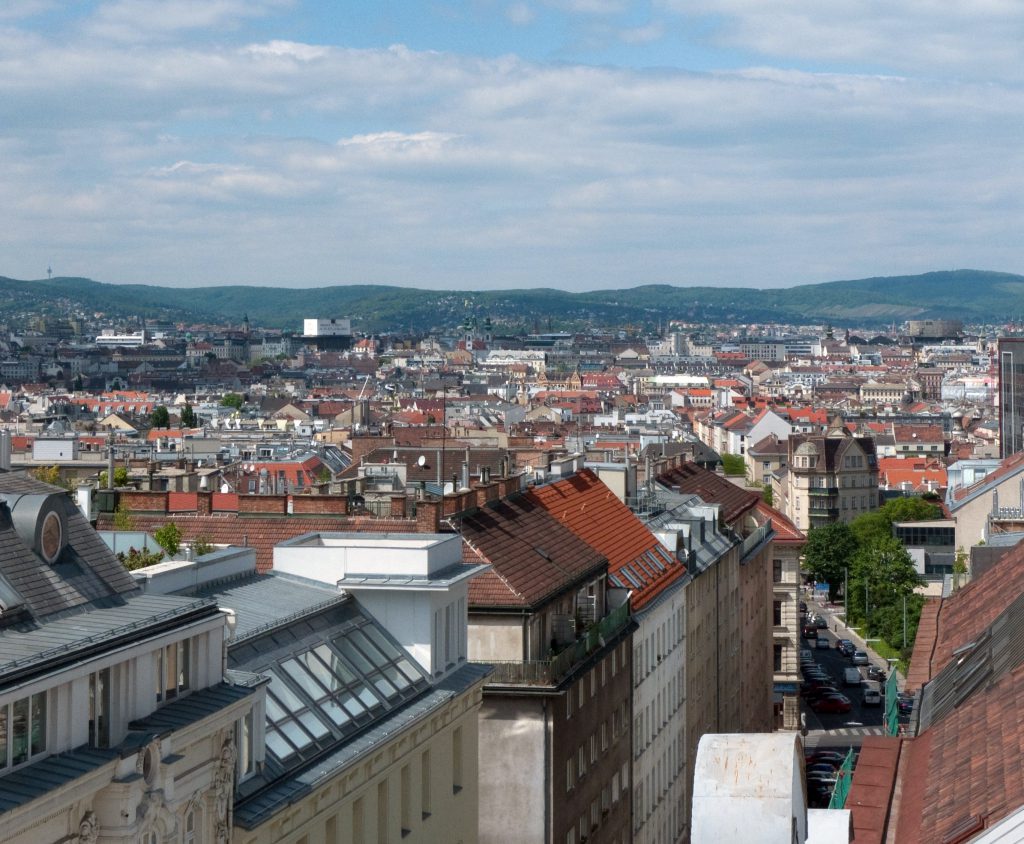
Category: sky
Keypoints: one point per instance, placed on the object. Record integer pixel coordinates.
(494, 144)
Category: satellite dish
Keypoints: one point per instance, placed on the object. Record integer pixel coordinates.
(225, 489)
(421, 461)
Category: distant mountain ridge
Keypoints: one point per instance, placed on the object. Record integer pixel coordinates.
(971, 295)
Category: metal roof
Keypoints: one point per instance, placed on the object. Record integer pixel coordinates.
(250, 812)
(65, 637)
(40, 778)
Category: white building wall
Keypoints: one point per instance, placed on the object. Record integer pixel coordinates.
(515, 737)
(659, 722)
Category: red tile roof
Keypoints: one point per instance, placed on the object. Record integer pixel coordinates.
(872, 787)
(259, 532)
(696, 480)
(534, 557)
(970, 610)
(1013, 463)
(785, 531)
(592, 511)
(967, 769)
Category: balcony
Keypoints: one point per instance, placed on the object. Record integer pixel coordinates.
(549, 672)
(823, 490)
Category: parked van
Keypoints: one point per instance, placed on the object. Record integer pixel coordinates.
(851, 676)
(872, 695)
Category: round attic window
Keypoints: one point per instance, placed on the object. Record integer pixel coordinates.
(51, 537)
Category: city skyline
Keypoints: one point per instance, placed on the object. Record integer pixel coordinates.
(577, 144)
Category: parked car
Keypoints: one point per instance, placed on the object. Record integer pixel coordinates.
(803, 606)
(831, 703)
(845, 647)
(860, 658)
(820, 623)
(851, 676)
(871, 696)
(905, 704)
(833, 756)
(822, 643)
(876, 673)
(810, 632)
(823, 768)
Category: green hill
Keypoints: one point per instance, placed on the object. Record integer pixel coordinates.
(971, 295)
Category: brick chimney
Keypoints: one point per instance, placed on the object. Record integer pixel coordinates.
(428, 516)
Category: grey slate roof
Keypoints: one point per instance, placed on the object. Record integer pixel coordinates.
(265, 600)
(38, 647)
(86, 571)
(38, 779)
(191, 708)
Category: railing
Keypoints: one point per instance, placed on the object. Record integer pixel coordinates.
(823, 490)
(892, 706)
(841, 790)
(547, 672)
(762, 534)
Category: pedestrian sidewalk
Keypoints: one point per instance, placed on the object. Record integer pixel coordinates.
(838, 626)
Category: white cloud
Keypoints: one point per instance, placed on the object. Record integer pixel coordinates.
(520, 14)
(949, 38)
(283, 162)
(139, 20)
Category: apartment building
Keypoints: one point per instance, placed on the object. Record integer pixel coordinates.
(828, 478)
(118, 721)
(555, 752)
(370, 728)
(642, 568)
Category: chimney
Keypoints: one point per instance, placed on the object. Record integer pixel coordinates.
(428, 516)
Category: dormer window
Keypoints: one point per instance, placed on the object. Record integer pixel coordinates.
(22, 730)
(173, 665)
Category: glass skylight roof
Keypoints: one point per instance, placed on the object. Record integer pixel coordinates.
(327, 680)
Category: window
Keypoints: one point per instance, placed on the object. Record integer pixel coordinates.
(358, 828)
(568, 705)
(246, 747)
(777, 571)
(425, 784)
(777, 613)
(188, 836)
(22, 730)
(405, 782)
(569, 771)
(457, 760)
(382, 812)
(99, 708)
(173, 667)
(777, 665)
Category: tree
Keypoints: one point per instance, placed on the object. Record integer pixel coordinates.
(828, 552)
(877, 525)
(136, 559)
(232, 400)
(202, 545)
(881, 576)
(160, 417)
(734, 465)
(188, 416)
(169, 538)
(48, 475)
(120, 477)
(768, 495)
(123, 519)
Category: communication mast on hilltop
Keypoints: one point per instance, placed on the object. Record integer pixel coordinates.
(49, 271)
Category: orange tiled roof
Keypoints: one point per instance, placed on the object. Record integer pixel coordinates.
(261, 533)
(592, 511)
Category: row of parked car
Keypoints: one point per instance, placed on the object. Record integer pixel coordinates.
(819, 689)
(822, 770)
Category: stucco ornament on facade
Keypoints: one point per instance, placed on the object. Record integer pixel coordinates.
(88, 829)
(223, 785)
